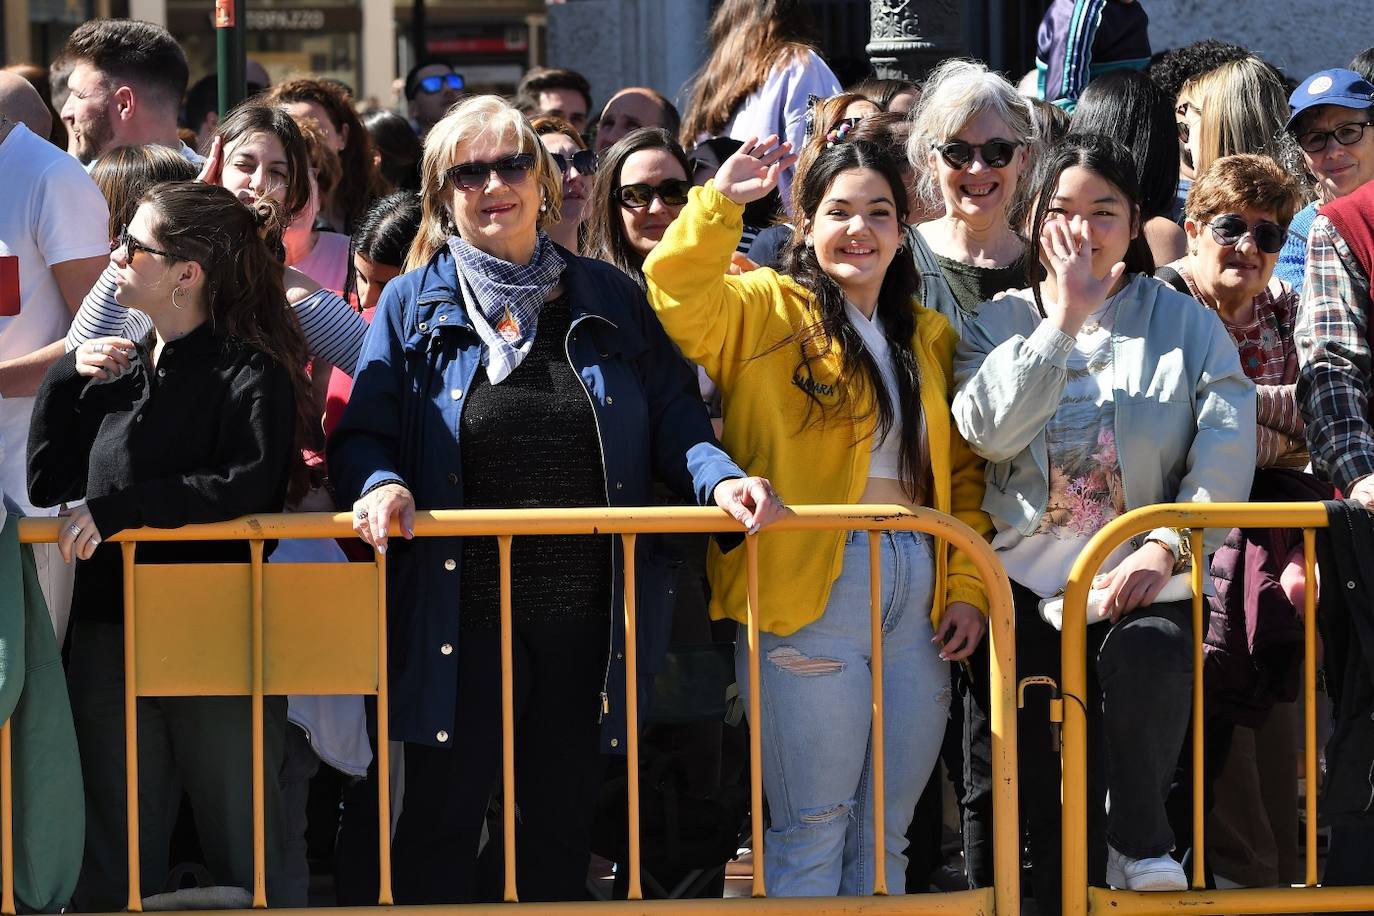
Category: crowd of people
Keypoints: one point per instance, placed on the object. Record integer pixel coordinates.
(1132, 280)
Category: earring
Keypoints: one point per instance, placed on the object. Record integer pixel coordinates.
(175, 303)
(543, 206)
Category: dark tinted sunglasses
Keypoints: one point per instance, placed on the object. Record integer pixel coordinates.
(132, 246)
(672, 192)
(432, 84)
(511, 170)
(1228, 230)
(584, 160)
(1184, 131)
(995, 153)
(1348, 134)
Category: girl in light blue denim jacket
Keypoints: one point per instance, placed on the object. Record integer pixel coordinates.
(1097, 391)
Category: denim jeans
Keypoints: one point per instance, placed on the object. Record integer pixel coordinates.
(816, 703)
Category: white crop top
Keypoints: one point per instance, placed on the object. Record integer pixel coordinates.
(886, 458)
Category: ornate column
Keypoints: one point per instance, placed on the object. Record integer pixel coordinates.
(909, 37)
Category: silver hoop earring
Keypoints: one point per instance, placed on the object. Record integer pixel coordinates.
(175, 290)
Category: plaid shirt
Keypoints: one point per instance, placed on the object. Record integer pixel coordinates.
(1334, 377)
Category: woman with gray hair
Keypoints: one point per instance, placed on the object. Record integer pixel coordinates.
(970, 144)
(504, 371)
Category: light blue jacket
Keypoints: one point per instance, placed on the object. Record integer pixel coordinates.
(1185, 412)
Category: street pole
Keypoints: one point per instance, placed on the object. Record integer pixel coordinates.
(418, 28)
(909, 37)
(230, 51)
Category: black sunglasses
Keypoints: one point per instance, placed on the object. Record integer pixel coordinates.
(132, 246)
(1228, 230)
(1184, 130)
(584, 160)
(673, 193)
(995, 153)
(432, 84)
(1348, 134)
(512, 170)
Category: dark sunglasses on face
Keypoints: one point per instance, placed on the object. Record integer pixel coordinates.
(132, 246)
(1228, 230)
(673, 193)
(512, 170)
(995, 153)
(432, 84)
(584, 160)
(1348, 134)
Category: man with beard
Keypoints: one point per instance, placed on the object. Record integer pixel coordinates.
(126, 85)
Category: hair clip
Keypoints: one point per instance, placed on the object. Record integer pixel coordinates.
(839, 133)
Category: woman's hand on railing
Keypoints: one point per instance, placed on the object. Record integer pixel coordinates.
(79, 537)
(1136, 580)
(751, 500)
(961, 629)
(754, 170)
(375, 510)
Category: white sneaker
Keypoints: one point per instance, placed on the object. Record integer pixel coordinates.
(1160, 873)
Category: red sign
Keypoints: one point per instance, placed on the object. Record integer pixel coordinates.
(9, 285)
(224, 14)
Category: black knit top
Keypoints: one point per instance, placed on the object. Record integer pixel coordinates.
(531, 442)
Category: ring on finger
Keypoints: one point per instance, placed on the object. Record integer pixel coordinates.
(74, 529)
(360, 514)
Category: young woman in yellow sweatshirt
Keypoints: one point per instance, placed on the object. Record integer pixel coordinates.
(836, 385)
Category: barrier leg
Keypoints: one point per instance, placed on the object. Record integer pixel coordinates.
(131, 728)
(1309, 707)
(507, 719)
(751, 547)
(635, 892)
(259, 781)
(875, 617)
(1199, 739)
(384, 895)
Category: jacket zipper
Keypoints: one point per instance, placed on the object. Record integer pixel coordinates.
(606, 487)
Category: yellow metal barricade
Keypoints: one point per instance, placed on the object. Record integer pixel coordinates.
(256, 633)
(1079, 898)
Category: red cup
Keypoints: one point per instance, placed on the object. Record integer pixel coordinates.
(9, 285)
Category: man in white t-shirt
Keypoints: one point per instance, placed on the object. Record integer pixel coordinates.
(126, 83)
(54, 231)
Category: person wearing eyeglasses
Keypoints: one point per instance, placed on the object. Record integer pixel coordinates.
(504, 371)
(577, 165)
(202, 421)
(970, 145)
(431, 89)
(641, 185)
(1332, 112)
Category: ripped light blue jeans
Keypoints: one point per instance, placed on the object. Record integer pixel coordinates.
(816, 703)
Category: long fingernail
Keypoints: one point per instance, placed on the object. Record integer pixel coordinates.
(381, 548)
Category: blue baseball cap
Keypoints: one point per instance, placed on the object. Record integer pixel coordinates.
(1345, 88)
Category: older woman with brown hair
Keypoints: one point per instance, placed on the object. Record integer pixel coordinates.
(1237, 218)
(502, 371)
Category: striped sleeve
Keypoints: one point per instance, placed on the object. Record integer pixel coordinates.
(101, 316)
(333, 329)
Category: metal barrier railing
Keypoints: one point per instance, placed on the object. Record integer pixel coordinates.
(255, 612)
(1079, 897)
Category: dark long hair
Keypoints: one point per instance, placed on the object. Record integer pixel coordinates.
(395, 140)
(250, 119)
(244, 292)
(1127, 105)
(1110, 160)
(604, 234)
(858, 371)
(384, 234)
(125, 174)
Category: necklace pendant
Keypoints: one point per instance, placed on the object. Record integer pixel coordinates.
(1091, 327)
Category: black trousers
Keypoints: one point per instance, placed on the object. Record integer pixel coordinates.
(559, 671)
(1138, 707)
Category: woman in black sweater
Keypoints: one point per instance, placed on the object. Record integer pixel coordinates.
(201, 421)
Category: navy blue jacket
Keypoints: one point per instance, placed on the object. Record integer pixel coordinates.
(402, 421)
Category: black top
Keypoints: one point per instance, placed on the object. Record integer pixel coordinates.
(531, 442)
(972, 286)
(206, 436)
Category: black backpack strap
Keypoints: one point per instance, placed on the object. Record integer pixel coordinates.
(1174, 279)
